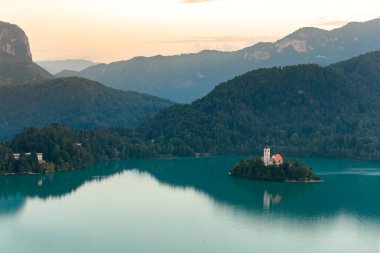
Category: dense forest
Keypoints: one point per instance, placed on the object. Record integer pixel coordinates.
(290, 170)
(304, 110)
(66, 148)
(77, 102)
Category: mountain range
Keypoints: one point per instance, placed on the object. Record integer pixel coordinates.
(184, 78)
(302, 110)
(30, 96)
(16, 64)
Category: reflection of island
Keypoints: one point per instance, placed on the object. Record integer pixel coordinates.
(268, 199)
(207, 175)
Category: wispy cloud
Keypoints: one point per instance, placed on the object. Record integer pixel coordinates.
(212, 39)
(332, 23)
(323, 21)
(195, 1)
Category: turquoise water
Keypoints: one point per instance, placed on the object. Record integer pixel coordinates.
(190, 205)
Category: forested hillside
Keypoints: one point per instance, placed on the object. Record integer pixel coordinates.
(303, 110)
(77, 102)
(64, 148)
(299, 110)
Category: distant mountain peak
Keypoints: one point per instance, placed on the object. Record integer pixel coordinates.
(14, 44)
(307, 32)
(300, 40)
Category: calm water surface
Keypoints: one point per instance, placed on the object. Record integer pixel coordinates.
(190, 205)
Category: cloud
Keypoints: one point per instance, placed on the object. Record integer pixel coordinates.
(333, 23)
(212, 39)
(195, 1)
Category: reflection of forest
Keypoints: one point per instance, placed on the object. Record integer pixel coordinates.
(10, 205)
(14, 189)
(348, 193)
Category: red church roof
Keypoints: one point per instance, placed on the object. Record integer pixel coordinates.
(278, 157)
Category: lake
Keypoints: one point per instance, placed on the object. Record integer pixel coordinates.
(190, 205)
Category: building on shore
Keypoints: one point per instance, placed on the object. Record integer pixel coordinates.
(40, 156)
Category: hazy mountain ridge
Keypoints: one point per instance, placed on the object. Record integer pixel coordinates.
(77, 102)
(57, 66)
(16, 64)
(184, 78)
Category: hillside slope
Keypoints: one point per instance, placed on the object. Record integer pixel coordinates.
(299, 110)
(184, 78)
(77, 102)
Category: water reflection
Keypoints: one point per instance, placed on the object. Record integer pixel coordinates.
(11, 205)
(269, 199)
(343, 193)
(14, 190)
(347, 193)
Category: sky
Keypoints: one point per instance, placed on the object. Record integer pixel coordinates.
(112, 30)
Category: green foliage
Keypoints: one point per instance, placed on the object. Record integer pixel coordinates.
(290, 170)
(6, 157)
(77, 102)
(303, 110)
(64, 148)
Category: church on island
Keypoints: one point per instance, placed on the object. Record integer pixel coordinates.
(276, 159)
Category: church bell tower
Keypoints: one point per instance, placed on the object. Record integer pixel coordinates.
(267, 156)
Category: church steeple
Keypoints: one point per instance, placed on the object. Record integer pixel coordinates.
(267, 158)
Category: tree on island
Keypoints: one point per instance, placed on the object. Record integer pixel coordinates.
(289, 170)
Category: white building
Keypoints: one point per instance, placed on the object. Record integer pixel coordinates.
(40, 157)
(267, 160)
(276, 159)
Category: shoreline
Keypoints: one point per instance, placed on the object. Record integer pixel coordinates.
(304, 181)
(21, 173)
(277, 181)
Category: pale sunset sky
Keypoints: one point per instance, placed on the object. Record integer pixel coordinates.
(111, 30)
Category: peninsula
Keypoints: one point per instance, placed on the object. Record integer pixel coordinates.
(274, 168)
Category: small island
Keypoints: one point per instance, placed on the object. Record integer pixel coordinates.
(274, 168)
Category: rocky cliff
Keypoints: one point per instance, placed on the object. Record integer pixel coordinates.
(16, 64)
(14, 45)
